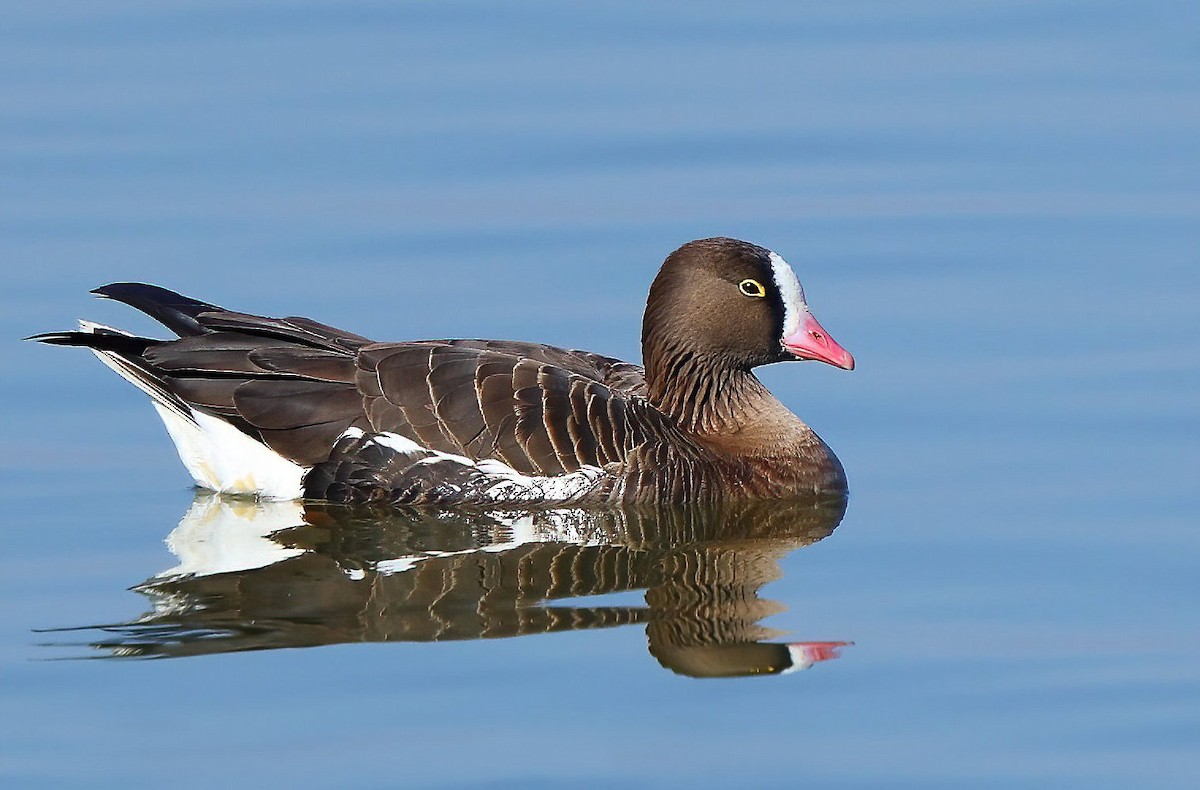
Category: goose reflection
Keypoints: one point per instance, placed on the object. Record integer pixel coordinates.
(258, 575)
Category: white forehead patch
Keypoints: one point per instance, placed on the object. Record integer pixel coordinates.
(794, 306)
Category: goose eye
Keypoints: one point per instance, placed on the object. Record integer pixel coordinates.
(752, 288)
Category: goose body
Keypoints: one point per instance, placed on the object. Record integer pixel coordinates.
(289, 408)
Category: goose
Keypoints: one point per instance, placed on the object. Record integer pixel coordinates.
(289, 408)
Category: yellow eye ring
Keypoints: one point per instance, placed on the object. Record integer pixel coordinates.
(751, 287)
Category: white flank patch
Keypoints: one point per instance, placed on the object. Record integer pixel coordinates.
(794, 304)
(512, 486)
(401, 444)
(218, 456)
(498, 481)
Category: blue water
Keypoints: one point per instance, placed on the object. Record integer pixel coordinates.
(994, 205)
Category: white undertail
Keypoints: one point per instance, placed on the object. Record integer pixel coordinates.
(218, 456)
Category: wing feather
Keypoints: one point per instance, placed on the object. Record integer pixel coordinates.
(539, 409)
(557, 413)
(403, 379)
(583, 440)
(530, 427)
(498, 401)
(601, 424)
(451, 378)
(297, 385)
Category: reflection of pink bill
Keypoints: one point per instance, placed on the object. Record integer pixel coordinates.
(805, 654)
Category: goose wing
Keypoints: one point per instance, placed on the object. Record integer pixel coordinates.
(297, 385)
(539, 409)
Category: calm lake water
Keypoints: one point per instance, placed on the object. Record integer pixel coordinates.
(994, 205)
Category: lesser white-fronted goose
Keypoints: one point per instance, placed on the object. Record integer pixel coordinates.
(288, 408)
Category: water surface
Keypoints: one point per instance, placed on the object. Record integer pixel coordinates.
(994, 206)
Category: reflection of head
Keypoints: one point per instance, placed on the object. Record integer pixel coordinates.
(743, 658)
(260, 575)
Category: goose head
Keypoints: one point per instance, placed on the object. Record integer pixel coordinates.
(732, 305)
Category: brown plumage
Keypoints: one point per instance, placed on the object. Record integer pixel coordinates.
(487, 421)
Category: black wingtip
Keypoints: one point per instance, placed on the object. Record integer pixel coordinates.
(176, 311)
(145, 292)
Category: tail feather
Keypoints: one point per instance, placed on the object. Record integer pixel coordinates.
(98, 338)
(122, 352)
(196, 382)
(218, 455)
(189, 317)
